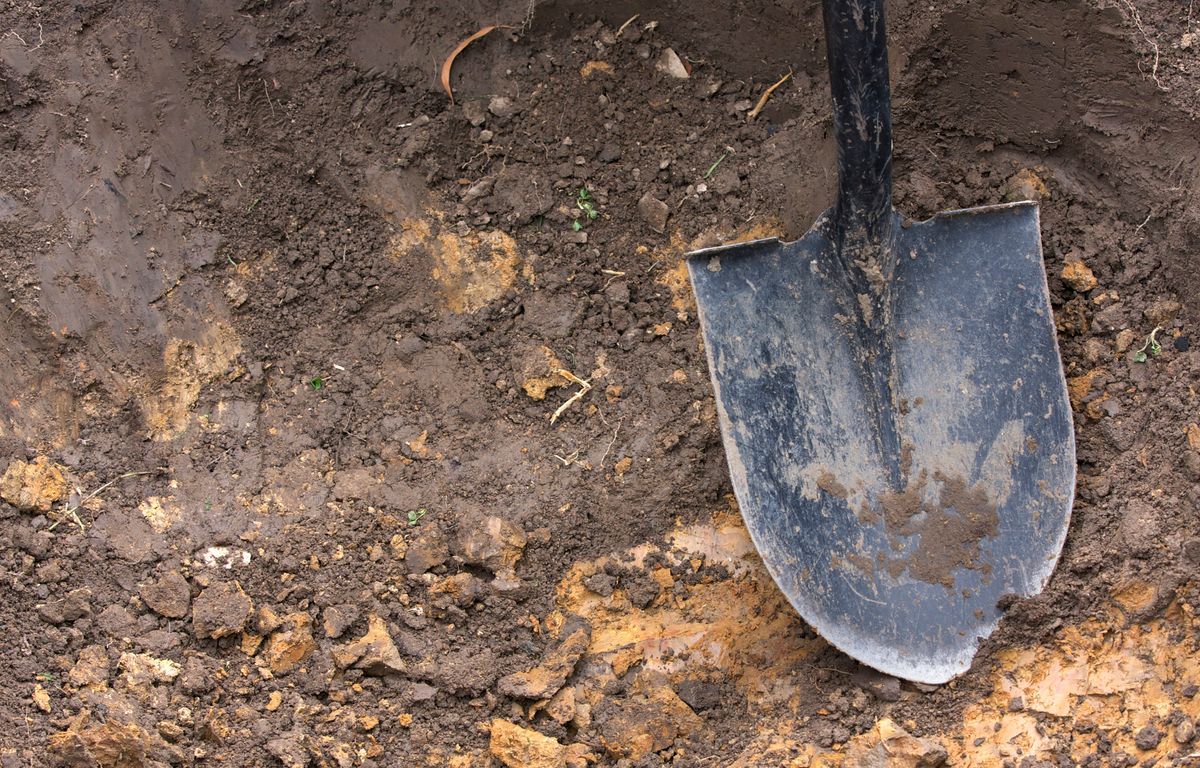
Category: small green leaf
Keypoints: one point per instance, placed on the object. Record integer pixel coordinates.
(414, 515)
(1140, 357)
(577, 225)
(317, 383)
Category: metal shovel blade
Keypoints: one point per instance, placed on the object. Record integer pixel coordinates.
(899, 485)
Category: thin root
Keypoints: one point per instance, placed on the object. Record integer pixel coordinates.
(584, 388)
(762, 100)
(1137, 22)
(73, 511)
(625, 26)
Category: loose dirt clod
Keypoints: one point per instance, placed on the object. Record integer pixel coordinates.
(493, 543)
(518, 747)
(654, 212)
(545, 680)
(374, 653)
(289, 646)
(221, 610)
(170, 595)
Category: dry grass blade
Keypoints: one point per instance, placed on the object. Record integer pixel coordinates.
(448, 64)
(762, 100)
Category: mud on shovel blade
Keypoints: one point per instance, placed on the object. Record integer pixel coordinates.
(891, 398)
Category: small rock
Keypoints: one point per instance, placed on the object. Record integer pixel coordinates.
(91, 668)
(291, 749)
(1125, 340)
(518, 747)
(1147, 738)
(889, 744)
(1095, 350)
(1162, 312)
(485, 135)
(426, 550)
(502, 107)
(494, 543)
(33, 486)
(266, 620)
(289, 646)
(561, 707)
(609, 153)
(169, 596)
(544, 680)
(654, 212)
(578, 237)
(649, 720)
(1111, 318)
(141, 670)
(1077, 275)
(1026, 185)
(700, 695)
(108, 744)
(1185, 731)
(881, 686)
(462, 589)
(221, 610)
(707, 89)
(420, 692)
(669, 63)
(375, 653)
(1189, 40)
(170, 730)
(475, 112)
(600, 583)
(338, 618)
(41, 699)
(726, 181)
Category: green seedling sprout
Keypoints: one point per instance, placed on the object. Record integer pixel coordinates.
(584, 202)
(415, 515)
(1152, 347)
(317, 383)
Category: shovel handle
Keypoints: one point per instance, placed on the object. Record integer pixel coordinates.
(856, 45)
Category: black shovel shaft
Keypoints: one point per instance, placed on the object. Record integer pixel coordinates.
(856, 44)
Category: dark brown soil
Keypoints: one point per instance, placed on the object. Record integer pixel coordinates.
(215, 275)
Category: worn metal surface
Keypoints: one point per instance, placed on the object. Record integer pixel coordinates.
(900, 443)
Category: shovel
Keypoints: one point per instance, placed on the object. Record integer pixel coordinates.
(891, 398)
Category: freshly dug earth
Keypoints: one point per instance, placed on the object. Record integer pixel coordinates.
(344, 425)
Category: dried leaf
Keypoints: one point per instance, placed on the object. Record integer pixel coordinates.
(762, 100)
(449, 62)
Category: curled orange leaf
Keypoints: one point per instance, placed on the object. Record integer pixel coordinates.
(448, 64)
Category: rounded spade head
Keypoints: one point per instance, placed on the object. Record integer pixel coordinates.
(905, 460)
